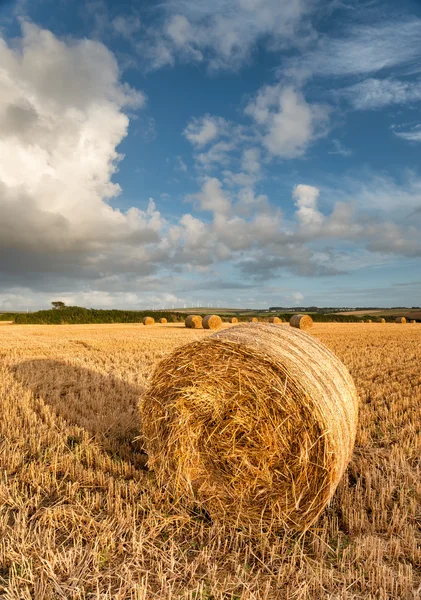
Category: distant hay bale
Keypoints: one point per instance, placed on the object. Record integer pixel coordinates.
(301, 321)
(163, 320)
(232, 320)
(413, 321)
(193, 322)
(381, 321)
(362, 321)
(369, 321)
(275, 320)
(400, 320)
(253, 320)
(148, 321)
(256, 424)
(212, 322)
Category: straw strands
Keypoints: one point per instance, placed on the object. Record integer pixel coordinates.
(193, 322)
(400, 320)
(212, 322)
(148, 321)
(255, 424)
(301, 321)
(275, 320)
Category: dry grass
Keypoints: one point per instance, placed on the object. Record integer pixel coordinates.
(255, 424)
(81, 519)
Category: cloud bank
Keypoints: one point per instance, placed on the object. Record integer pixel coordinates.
(64, 111)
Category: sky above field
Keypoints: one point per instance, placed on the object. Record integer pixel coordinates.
(243, 153)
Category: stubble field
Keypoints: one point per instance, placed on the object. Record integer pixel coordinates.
(81, 517)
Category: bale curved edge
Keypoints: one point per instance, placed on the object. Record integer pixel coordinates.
(256, 424)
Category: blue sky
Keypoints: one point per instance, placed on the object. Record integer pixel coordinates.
(240, 152)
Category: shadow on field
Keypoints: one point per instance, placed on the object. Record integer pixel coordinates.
(106, 407)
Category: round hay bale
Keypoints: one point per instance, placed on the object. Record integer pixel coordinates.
(369, 321)
(362, 321)
(253, 320)
(301, 321)
(193, 322)
(381, 321)
(400, 320)
(275, 320)
(163, 320)
(255, 424)
(212, 322)
(148, 321)
(233, 320)
(413, 321)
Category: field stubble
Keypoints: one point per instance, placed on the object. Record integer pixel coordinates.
(80, 516)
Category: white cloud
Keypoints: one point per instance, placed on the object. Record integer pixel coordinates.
(224, 33)
(364, 49)
(180, 164)
(126, 26)
(306, 197)
(218, 155)
(201, 131)
(339, 149)
(378, 93)
(61, 118)
(411, 135)
(250, 161)
(211, 197)
(288, 122)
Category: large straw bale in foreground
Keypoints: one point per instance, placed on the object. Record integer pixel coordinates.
(148, 321)
(301, 321)
(232, 320)
(255, 424)
(275, 320)
(400, 320)
(193, 322)
(212, 322)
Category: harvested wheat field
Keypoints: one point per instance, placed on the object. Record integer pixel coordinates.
(82, 518)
